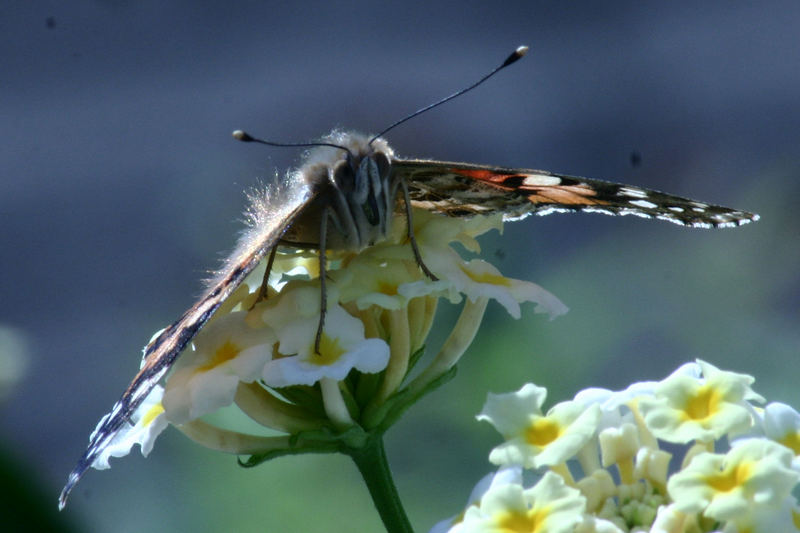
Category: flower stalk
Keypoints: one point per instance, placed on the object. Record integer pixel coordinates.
(371, 462)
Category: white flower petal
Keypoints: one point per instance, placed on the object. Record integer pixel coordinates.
(149, 422)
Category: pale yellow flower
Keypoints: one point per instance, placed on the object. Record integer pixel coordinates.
(535, 439)
(755, 472)
(548, 507)
(686, 408)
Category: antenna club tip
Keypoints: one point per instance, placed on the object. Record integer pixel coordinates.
(240, 135)
(515, 56)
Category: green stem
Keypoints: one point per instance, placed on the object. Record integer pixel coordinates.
(371, 462)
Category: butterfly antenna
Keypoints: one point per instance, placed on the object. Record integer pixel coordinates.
(516, 55)
(245, 137)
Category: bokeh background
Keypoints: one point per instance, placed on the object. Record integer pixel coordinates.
(120, 186)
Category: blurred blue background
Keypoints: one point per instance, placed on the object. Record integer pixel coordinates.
(121, 186)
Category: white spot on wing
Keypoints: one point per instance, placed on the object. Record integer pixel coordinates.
(514, 218)
(635, 213)
(644, 203)
(598, 210)
(550, 210)
(540, 180)
(633, 193)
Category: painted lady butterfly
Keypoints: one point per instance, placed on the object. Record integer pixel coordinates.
(352, 182)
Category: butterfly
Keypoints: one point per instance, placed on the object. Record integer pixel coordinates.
(345, 195)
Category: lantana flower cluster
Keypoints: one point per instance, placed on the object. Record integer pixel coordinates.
(260, 350)
(691, 453)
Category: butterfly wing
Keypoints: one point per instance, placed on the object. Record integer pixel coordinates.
(270, 214)
(462, 189)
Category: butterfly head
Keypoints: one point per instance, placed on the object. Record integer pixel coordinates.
(354, 191)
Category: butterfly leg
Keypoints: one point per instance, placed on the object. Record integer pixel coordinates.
(411, 237)
(263, 290)
(323, 295)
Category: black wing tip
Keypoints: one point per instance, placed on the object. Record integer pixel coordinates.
(735, 219)
(77, 473)
(62, 498)
(72, 480)
(97, 442)
(728, 220)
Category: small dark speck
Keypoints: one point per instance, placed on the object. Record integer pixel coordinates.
(636, 159)
(50, 22)
(500, 253)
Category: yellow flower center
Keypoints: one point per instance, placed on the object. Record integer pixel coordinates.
(329, 351)
(486, 277)
(792, 441)
(522, 522)
(389, 289)
(223, 354)
(703, 404)
(730, 478)
(542, 432)
(151, 414)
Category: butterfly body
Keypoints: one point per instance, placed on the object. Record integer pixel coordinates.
(346, 197)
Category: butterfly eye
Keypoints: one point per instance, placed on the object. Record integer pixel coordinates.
(344, 175)
(383, 163)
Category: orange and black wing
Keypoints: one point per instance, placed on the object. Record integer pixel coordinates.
(463, 189)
